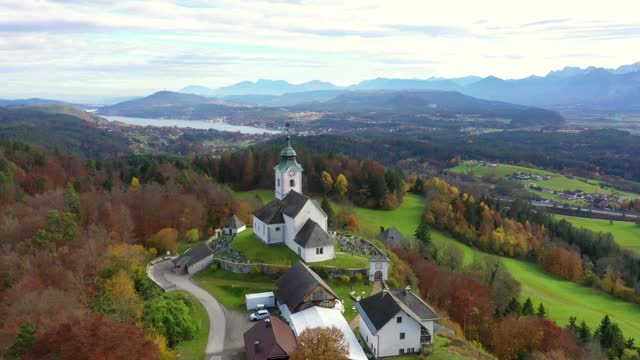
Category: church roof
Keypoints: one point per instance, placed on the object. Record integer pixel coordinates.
(288, 158)
(312, 235)
(291, 206)
(235, 223)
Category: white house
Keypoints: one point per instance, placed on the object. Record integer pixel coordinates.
(316, 316)
(234, 226)
(396, 322)
(292, 218)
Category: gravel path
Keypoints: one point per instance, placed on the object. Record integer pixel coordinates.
(162, 273)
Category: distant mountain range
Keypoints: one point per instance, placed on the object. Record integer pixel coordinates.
(576, 88)
(370, 103)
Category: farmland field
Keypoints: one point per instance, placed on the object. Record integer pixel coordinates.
(557, 182)
(561, 298)
(625, 233)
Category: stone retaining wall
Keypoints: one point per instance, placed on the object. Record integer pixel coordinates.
(322, 270)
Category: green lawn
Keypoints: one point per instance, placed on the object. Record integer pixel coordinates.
(264, 195)
(230, 288)
(561, 298)
(343, 289)
(196, 347)
(257, 251)
(447, 349)
(345, 261)
(625, 233)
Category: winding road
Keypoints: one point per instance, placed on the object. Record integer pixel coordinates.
(162, 274)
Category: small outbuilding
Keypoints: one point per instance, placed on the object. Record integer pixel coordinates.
(391, 237)
(194, 259)
(234, 226)
(258, 300)
(378, 268)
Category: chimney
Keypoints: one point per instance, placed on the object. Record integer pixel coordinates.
(256, 346)
(407, 290)
(267, 322)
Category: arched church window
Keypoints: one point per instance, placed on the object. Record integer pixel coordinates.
(292, 183)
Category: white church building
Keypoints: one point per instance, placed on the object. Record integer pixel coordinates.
(292, 218)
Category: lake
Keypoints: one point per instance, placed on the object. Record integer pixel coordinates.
(194, 124)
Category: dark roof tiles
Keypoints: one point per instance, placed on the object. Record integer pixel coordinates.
(377, 310)
(312, 235)
(275, 340)
(297, 283)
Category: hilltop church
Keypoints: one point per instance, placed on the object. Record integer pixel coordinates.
(292, 218)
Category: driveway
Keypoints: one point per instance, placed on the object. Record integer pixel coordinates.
(164, 276)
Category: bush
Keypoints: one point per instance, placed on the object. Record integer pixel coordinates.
(256, 269)
(358, 276)
(193, 235)
(171, 317)
(345, 279)
(214, 266)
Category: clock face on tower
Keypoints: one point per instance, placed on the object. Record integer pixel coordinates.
(292, 172)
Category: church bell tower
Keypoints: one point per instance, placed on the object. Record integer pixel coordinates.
(288, 172)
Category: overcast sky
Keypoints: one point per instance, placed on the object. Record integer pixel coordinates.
(72, 48)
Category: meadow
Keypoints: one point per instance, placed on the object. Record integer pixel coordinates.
(625, 233)
(557, 182)
(561, 298)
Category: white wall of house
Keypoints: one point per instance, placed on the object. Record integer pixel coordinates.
(232, 231)
(194, 268)
(311, 254)
(387, 341)
(283, 182)
(260, 229)
(268, 233)
(285, 312)
(308, 211)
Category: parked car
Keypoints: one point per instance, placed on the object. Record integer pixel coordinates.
(260, 314)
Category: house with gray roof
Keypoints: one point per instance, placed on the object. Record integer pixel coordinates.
(391, 237)
(396, 322)
(234, 226)
(292, 218)
(300, 288)
(194, 259)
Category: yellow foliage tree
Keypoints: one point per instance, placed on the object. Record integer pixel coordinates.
(327, 181)
(342, 185)
(164, 240)
(121, 291)
(135, 184)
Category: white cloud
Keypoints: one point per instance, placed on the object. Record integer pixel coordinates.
(62, 48)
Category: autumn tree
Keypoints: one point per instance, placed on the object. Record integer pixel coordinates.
(327, 182)
(328, 209)
(24, 341)
(321, 344)
(93, 337)
(121, 292)
(342, 186)
(165, 240)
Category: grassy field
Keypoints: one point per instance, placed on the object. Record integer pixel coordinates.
(194, 348)
(257, 251)
(561, 298)
(230, 288)
(343, 289)
(625, 233)
(557, 181)
(264, 195)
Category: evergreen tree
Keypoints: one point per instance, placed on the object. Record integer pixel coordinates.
(513, 308)
(527, 308)
(328, 209)
(24, 342)
(584, 333)
(630, 343)
(610, 337)
(422, 233)
(71, 200)
(573, 326)
(542, 312)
